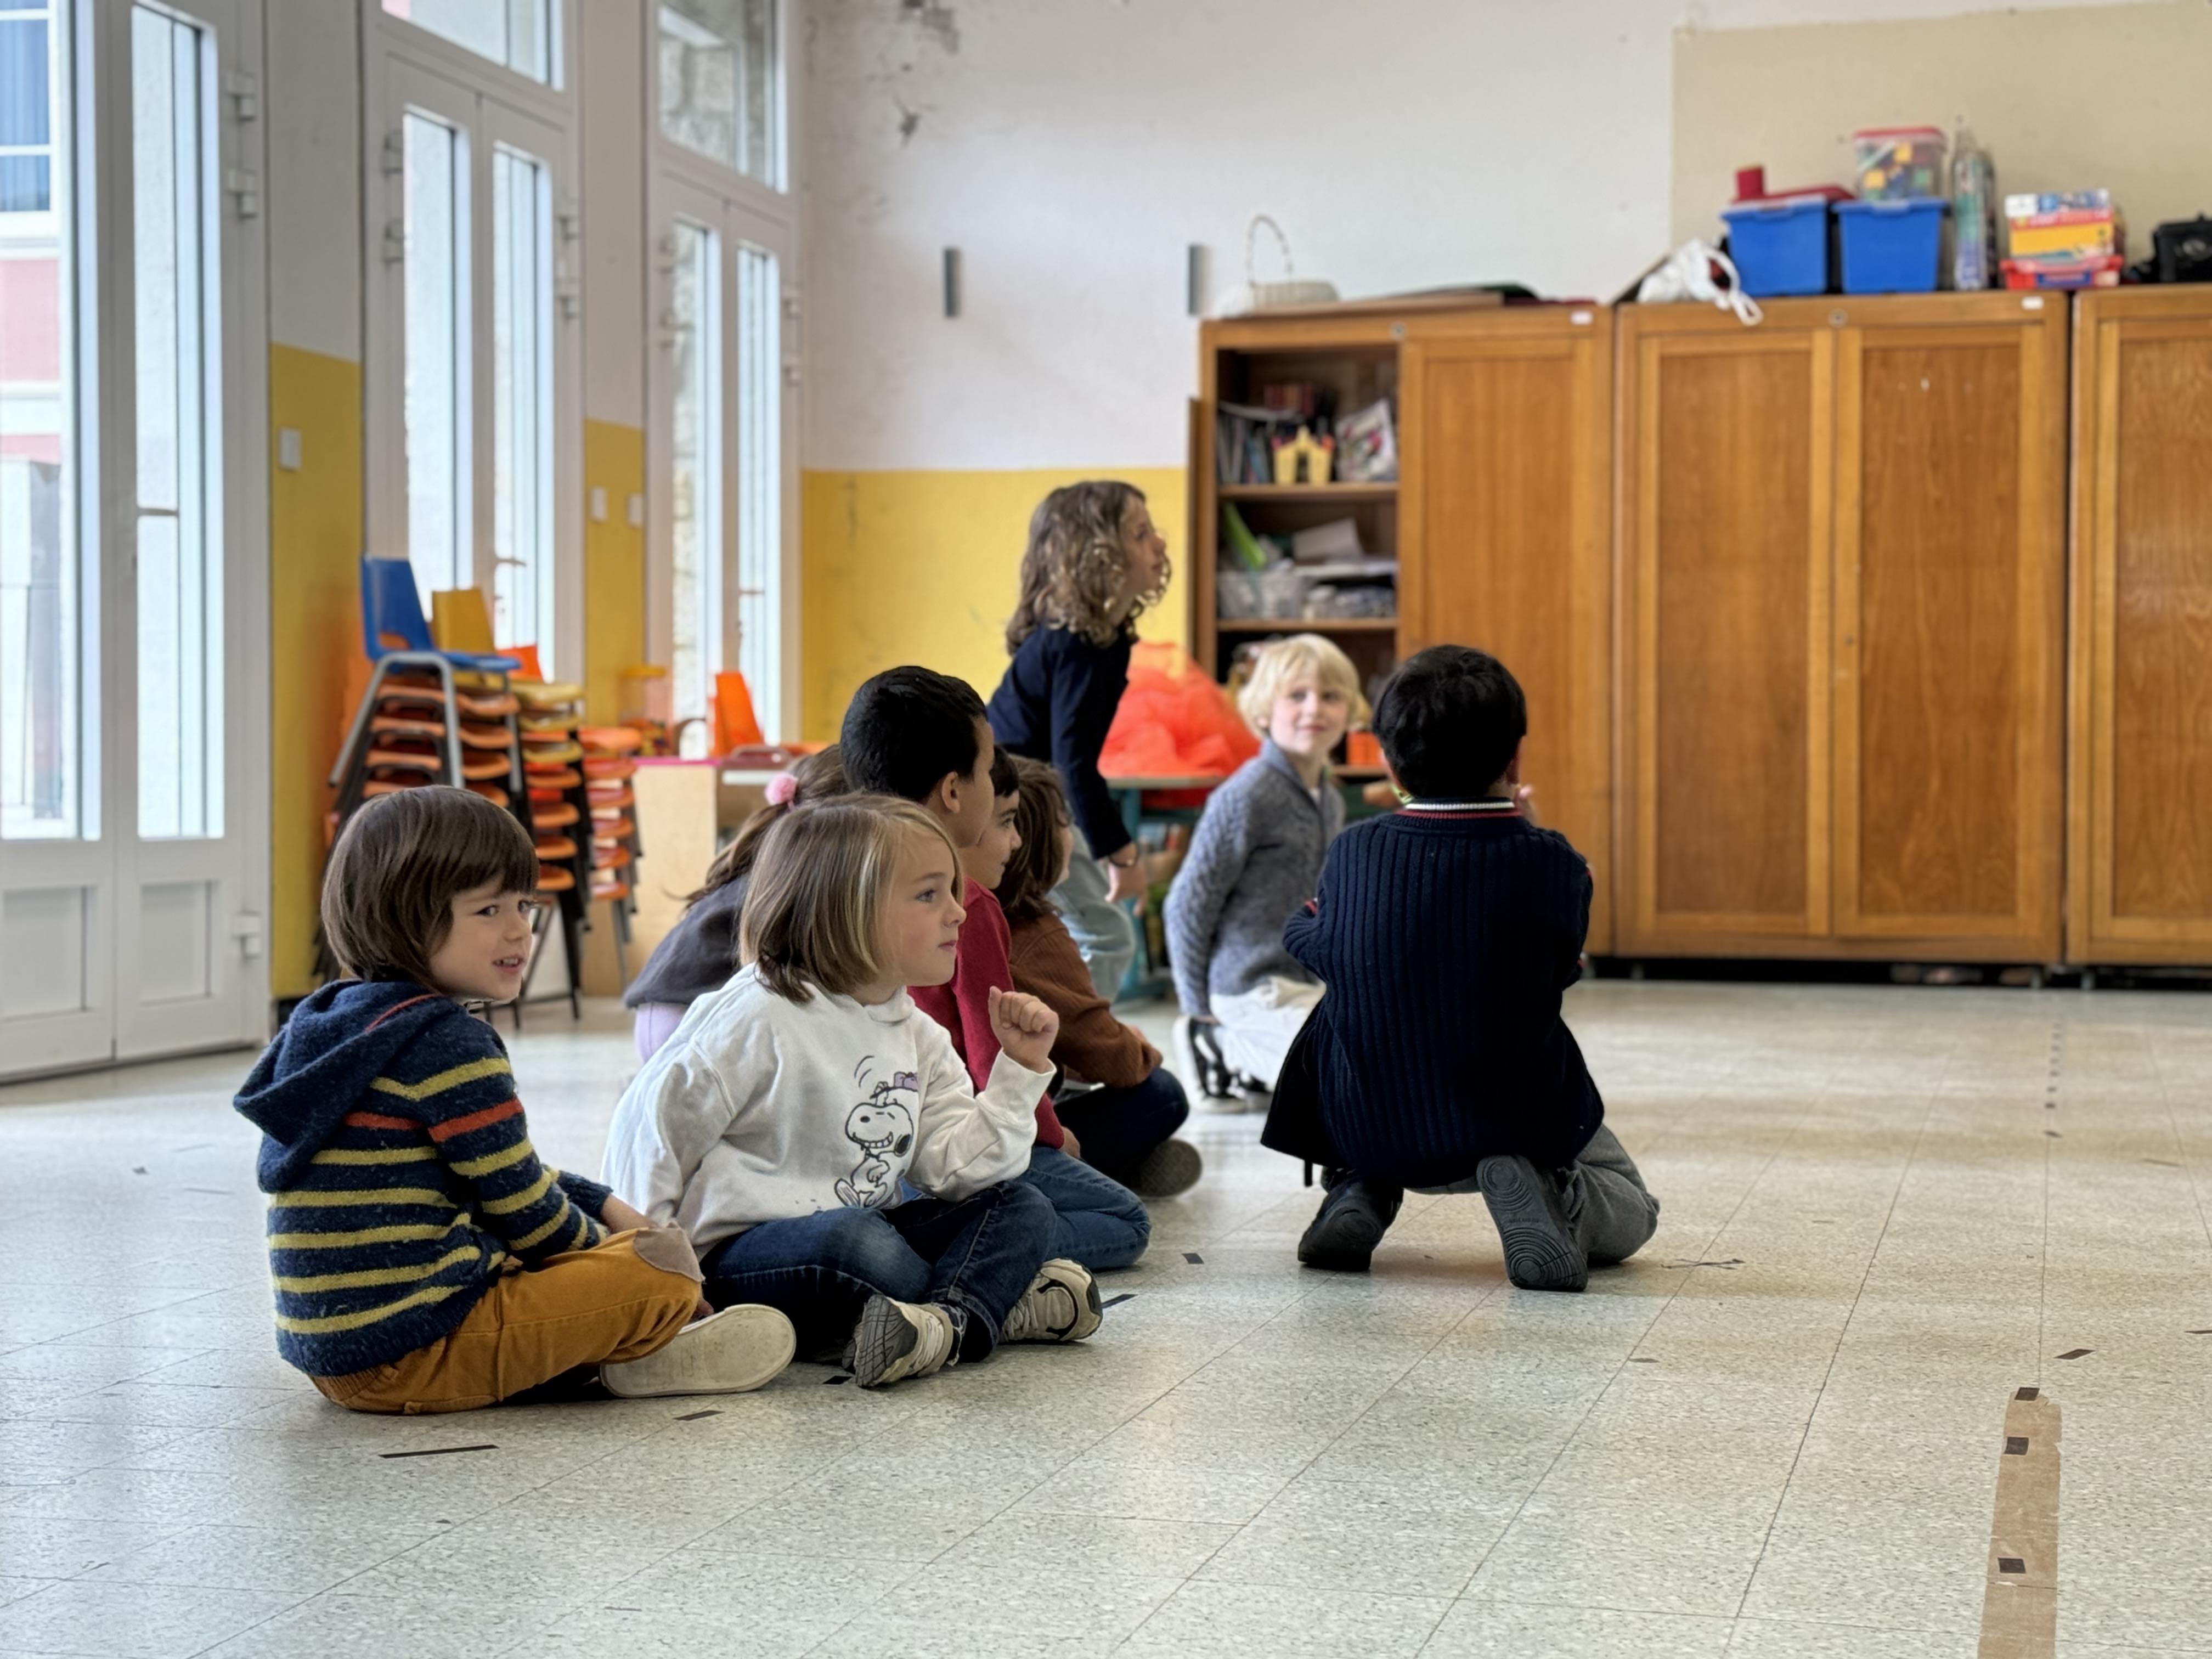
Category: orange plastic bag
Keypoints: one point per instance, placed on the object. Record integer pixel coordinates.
(1173, 721)
(735, 723)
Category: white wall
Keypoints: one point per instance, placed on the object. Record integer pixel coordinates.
(1071, 149)
(312, 87)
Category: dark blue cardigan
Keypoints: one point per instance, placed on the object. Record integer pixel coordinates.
(1445, 939)
(1056, 703)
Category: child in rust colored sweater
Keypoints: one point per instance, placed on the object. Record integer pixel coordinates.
(1115, 1100)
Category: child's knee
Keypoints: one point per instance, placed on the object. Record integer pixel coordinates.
(861, 1244)
(1025, 1211)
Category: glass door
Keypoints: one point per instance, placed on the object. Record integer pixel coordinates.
(472, 360)
(720, 474)
(133, 605)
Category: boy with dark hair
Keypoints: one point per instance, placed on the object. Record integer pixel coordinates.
(1446, 934)
(906, 733)
(424, 1258)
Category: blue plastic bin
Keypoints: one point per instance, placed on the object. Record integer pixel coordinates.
(1780, 247)
(1892, 247)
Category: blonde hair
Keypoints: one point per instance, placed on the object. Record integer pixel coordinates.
(818, 885)
(1280, 661)
(1072, 567)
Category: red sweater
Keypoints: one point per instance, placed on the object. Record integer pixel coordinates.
(963, 1007)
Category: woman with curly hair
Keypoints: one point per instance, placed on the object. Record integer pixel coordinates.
(1094, 562)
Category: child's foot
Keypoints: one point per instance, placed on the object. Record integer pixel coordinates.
(1171, 1167)
(1349, 1224)
(1061, 1306)
(1197, 1058)
(1542, 1250)
(897, 1339)
(731, 1351)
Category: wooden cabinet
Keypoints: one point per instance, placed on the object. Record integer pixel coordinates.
(1842, 574)
(1504, 543)
(2139, 718)
(1498, 521)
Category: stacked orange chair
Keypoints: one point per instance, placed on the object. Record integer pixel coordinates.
(550, 767)
(610, 761)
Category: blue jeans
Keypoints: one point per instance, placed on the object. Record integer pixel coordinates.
(977, 1254)
(1101, 1222)
(1119, 1127)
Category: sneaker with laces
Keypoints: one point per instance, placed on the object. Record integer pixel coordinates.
(732, 1352)
(1199, 1061)
(1061, 1305)
(1171, 1167)
(896, 1340)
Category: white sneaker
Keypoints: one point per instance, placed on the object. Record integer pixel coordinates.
(896, 1340)
(731, 1351)
(1062, 1305)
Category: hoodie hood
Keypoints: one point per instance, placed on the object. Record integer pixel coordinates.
(322, 1062)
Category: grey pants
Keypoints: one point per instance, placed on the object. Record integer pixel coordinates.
(1613, 1213)
(1102, 931)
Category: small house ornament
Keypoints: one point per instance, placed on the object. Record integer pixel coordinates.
(1305, 458)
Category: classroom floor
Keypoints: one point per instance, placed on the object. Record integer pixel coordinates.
(1776, 1434)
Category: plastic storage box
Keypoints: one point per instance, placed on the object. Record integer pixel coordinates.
(1898, 164)
(1891, 248)
(1780, 244)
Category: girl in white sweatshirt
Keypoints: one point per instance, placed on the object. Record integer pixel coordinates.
(783, 1122)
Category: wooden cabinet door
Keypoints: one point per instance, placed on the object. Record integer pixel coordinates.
(1950, 586)
(1723, 524)
(2140, 809)
(1503, 540)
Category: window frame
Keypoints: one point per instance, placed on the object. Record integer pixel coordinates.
(678, 180)
(406, 66)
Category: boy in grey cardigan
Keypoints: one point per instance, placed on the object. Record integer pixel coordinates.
(1254, 860)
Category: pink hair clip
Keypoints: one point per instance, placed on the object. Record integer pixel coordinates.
(782, 788)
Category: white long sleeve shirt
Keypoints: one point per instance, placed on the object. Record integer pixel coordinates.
(758, 1108)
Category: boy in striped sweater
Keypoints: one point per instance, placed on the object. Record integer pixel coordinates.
(424, 1258)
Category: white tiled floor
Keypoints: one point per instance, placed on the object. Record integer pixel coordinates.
(1774, 1436)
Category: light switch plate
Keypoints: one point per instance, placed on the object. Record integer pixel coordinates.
(599, 503)
(637, 511)
(287, 448)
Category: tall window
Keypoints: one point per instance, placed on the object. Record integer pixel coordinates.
(41, 746)
(439, 510)
(720, 84)
(179, 546)
(522, 401)
(695, 505)
(519, 34)
(760, 480)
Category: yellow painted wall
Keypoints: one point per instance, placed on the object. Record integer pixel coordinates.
(921, 566)
(314, 605)
(614, 565)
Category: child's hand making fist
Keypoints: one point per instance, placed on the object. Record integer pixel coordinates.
(1025, 1027)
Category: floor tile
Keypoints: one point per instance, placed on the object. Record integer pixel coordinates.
(1269, 1619)
(131, 1621)
(1481, 1628)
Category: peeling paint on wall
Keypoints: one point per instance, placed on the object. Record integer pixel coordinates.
(936, 21)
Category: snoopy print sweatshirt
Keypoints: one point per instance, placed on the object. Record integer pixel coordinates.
(760, 1109)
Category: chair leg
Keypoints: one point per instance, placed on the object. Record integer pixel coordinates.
(575, 940)
(452, 723)
(347, 750)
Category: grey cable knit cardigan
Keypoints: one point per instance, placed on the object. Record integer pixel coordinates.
(1254, 859)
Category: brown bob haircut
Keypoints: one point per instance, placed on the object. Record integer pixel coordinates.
(1025, 890)
(399, 864)
(818, 884)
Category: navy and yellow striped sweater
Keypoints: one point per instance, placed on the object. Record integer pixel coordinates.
(400, 1174)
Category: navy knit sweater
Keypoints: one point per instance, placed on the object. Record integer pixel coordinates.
(1056, 703)
(400, 1175)
(1445, 936)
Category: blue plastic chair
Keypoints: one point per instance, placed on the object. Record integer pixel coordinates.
(391, 609)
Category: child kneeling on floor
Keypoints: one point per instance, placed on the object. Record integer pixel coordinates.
(782, 1124)
(425, 1260)
(1446, 934)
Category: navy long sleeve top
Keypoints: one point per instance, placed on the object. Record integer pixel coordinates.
(1056, 703)
(1445, 936)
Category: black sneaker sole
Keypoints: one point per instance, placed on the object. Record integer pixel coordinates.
(1541, 1254)
(1170, 1168)
(1344, 1242)
(882, 1337)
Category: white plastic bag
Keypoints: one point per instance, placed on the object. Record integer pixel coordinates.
(1687, 274)
(1286, 290)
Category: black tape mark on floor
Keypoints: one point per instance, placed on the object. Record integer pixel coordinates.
(2015, 1445)
(2207, 1331)
(693, 1417)
(1641, 1359)
(1733, 1261)
(2011, 1563)
(2164, 1162)
(1194, 1258)
(441, 1451)
(2025, 1393)
(2076, 1354)
(1116, 1300)
(832, 1382)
